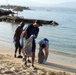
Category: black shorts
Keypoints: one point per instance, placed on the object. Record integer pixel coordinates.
(33, 45)
(17, 44)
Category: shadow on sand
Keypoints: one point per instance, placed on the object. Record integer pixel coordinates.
(59, 67)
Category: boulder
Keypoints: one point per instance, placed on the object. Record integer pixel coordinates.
(54, 23)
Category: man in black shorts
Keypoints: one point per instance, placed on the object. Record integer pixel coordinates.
(17, 38)
(32, 29)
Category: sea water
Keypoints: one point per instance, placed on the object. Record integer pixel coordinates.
(62, 38)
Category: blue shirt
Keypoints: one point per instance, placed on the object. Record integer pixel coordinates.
(46, 43)
(31, 30)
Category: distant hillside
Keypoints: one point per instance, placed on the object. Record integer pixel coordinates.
(67, 4)
(14, 6)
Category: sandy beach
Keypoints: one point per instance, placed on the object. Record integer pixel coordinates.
(15, 66)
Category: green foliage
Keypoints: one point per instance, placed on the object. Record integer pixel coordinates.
(14, 6)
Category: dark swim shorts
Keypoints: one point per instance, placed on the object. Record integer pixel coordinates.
(17, 44)
(33, 46)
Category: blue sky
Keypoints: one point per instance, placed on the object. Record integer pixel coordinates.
(34, 2)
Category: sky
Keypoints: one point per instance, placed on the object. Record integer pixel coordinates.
(34, 2)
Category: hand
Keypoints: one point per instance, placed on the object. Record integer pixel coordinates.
(33, 36)
(13, 39)
(21, 42)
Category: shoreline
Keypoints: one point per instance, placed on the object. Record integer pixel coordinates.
(50, 50)
(54, 56)
(63, 53)
(51, 66)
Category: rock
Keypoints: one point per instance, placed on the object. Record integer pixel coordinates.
(5, 12)
(54, 23)
(16, 19)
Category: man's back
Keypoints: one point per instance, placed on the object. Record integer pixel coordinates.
(18, 33)
(31, 30)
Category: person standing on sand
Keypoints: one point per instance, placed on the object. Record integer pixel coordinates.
(16, 39)
(32, 29)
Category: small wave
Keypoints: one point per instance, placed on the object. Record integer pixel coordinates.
(62, 53)
(5, 41)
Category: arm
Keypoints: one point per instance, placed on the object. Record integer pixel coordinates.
(36, 36)
(14, 37)
(37, 33)
(16, 32)
(39, 43)
(23, 34)
(46, 52)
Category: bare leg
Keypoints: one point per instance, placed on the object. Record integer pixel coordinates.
(46, 52)
(25, 57)
(20, 51)
(15, 51)
(29, 60)
(33, 57)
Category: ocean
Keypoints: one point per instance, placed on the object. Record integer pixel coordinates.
(62, 38)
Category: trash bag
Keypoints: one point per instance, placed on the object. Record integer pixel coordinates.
(27, 46)
(40, 56)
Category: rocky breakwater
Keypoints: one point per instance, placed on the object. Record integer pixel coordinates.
(16, 19)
